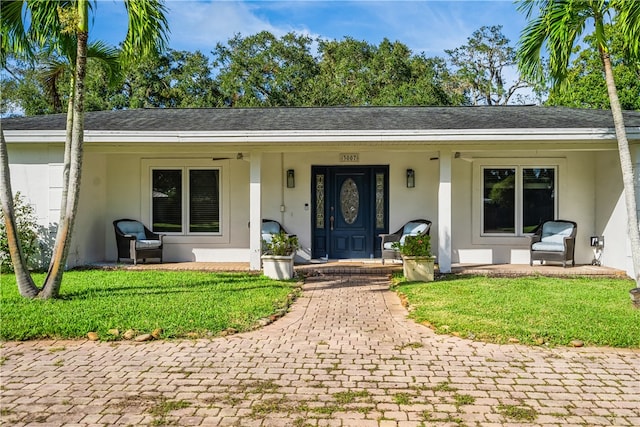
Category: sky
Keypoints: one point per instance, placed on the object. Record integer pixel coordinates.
(425, 26)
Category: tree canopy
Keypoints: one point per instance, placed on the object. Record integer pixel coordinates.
(258, 70)
(263, 70)
(584, 85)
(482, 66)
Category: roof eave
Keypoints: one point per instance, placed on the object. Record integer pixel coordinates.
(311, 136)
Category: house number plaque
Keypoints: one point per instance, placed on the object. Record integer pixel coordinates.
(349, 157)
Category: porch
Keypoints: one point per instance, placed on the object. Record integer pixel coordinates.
(356, 266)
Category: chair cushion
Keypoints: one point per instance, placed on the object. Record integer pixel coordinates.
(548, 246)
(388, 245)
(148, 244)
(267, 237)
(413, 229)
(133, 228)
(555, 232)
(270, 227)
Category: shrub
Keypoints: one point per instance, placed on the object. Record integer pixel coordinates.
(415, 246)
(27, 229)
(282, 244)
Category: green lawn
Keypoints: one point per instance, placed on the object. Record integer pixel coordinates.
(530, 309)
(180, 303)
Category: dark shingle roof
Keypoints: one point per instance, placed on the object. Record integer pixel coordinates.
(331, 118)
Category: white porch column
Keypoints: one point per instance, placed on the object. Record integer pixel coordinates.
(635, 158)
(634, 149)
(444, 213)
(255, 211)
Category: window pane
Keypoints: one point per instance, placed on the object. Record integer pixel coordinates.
(499, 200)
(538, 197)
(349, 201)
(319, 201)
(379, 200)
(167, 201)
(204, 202)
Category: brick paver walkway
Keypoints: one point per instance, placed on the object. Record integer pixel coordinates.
(344, 356)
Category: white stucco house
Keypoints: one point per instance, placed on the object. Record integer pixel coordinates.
(337, 177)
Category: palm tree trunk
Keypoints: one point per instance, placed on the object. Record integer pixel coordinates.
(66, 162)
(53, 281)
(67, 148)
(26, 286)
(626, 165)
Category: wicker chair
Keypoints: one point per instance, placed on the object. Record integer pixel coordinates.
(417, 227)
(135, 241)
(554, 241)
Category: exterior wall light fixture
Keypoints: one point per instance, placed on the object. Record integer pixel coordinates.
(291, 178)
(411, 178)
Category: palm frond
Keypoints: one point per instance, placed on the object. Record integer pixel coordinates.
(108, 56)
(528, 7)
(51, 74)
(529, 50)
(628, 19)
(555, 28)
(13, 35)
(45, 25)
(148, 27)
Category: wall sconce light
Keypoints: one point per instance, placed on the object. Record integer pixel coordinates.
(291, 179)
(411, 178)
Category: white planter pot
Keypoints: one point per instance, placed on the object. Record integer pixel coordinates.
(418, 268)
(635, 297)
(279, 267)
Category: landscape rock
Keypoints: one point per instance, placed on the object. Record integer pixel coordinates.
(576, 343)
(514, 340)
(143, 337)
(93, 336)
(114, 332)
(156, 333)
(129, 334)
(429, 325)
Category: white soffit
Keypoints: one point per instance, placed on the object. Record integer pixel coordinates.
(391, 136)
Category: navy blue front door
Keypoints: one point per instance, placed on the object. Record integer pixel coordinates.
(349, 211)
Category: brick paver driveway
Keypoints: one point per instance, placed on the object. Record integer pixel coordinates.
(344, 356)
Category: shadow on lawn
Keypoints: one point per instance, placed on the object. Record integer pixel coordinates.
(221, 284)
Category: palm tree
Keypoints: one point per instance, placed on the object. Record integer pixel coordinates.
(556, 27)
(64, 26)
(26, 286)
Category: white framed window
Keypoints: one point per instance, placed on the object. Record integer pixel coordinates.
(185, 200)
(514, 198)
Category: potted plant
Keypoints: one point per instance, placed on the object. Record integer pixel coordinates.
(417, 262)
(277, 259)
